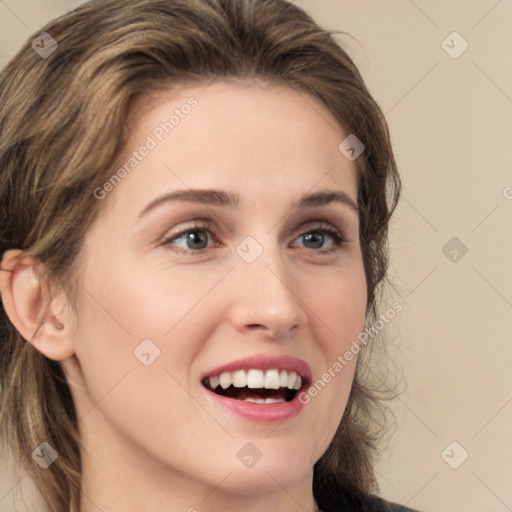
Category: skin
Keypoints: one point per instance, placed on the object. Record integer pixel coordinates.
(152, 442)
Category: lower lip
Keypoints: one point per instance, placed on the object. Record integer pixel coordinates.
(264, 413)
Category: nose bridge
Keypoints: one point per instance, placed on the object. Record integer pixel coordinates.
(265, 291)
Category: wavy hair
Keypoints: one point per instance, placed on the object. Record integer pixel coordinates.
(63, 123)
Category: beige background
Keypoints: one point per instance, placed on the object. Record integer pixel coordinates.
(451, 126)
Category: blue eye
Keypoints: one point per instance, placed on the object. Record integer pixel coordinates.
(317, 237)
(195, 238)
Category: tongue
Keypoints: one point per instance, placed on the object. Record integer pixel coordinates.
(243, 393)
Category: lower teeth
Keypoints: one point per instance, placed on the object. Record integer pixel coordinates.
(264, 400)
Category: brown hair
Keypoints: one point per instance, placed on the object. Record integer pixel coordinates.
(63, 124)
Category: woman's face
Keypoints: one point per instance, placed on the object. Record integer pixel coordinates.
(179, 293)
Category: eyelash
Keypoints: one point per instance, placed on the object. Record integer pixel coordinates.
(338, 238)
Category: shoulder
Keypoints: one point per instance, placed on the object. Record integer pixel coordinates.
(340, 498)
(395, 507)
(368, 503)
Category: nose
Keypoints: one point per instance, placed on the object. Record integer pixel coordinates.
(266, 297)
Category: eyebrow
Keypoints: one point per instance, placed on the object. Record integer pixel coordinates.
(231, 200)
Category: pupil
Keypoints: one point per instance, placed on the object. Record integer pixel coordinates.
(311, 237)
(196, 236)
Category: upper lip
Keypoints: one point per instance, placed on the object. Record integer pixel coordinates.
(263, 362)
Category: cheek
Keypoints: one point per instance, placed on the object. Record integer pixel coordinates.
(340, 305)
(130, 369)
(145, 303)
(128, 314)
(158, 300)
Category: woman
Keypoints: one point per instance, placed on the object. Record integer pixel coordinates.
(140, 372)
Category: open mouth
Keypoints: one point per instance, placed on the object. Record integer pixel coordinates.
(257, 386)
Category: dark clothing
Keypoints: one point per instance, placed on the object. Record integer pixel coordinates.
(337, 498)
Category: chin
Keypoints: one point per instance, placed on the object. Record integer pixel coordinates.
(251, 482)
(270, 473)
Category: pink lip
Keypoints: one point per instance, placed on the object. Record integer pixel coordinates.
(264, 413)
(262, 362)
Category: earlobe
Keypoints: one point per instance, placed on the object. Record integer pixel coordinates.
(31, 308)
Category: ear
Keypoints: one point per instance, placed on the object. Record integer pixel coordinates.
(28, 302)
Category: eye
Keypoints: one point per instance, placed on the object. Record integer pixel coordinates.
(315, 238)
(193, 238)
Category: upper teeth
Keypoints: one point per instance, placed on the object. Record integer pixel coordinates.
(253, 378)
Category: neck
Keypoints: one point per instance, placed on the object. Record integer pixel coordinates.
(181, 495)
(113, 480)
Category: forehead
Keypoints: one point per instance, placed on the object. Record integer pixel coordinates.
(250, 137)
